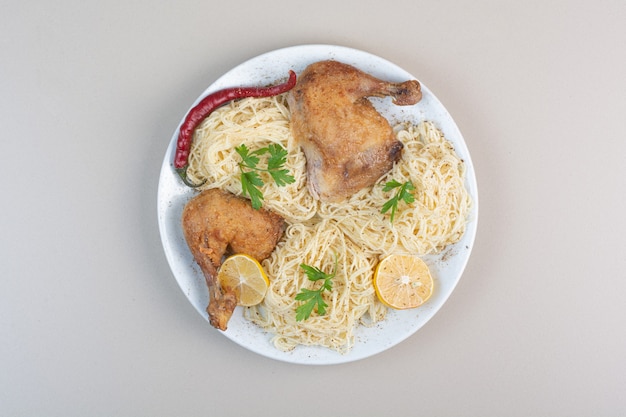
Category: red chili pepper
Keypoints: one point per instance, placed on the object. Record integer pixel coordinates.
(206, 106)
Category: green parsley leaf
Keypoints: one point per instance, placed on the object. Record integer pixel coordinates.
(251, 181)
(403, 194)
(278, 158)
(251, 184)
(249, 160)
(313, 298)
(391, 185)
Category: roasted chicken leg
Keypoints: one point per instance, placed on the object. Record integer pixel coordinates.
(347, 143)
(215, 223)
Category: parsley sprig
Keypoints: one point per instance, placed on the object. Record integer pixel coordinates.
(403, 193)
(314, 298)
(251, 181)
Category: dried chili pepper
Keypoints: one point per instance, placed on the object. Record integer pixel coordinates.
(206, 106)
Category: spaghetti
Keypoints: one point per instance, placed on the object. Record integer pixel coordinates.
(437, 217)
(255, 122)
(354, 232)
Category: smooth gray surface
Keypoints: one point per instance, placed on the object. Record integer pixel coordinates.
(92, 321)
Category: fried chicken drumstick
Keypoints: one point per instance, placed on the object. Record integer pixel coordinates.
(347, 143)
(216, 223)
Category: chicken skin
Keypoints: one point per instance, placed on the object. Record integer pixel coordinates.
(347, 143)
(216, 223)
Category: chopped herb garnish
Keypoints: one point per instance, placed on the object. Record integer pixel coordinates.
(314, 298)
(251, 181)
(403, 193)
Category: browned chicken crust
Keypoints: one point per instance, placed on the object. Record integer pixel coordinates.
(347, 143)
(216, 223)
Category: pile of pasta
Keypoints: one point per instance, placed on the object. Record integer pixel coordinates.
(354, 235)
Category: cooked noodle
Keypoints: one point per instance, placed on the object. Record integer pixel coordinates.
(355, 233)
(436, 218)
(352, 301)
(256, 123)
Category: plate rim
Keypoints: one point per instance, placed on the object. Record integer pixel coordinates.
(318, 355)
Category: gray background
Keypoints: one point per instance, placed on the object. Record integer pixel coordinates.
(92, 321)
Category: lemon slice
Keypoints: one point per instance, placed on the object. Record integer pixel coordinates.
(245, 276)
(403, 281)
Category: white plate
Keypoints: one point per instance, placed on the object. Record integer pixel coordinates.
(446, 267)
